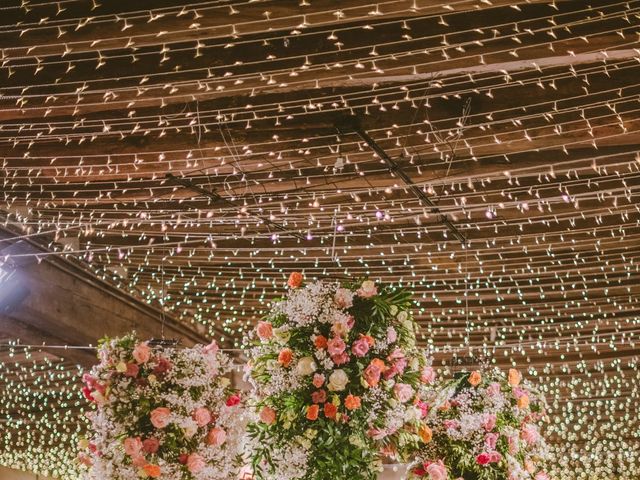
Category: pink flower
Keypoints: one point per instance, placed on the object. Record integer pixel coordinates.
(514, 444)
(542, 476)
(216, 437)
(495, 457)
(264, 330)
(132, 446)
(530, 434)
(490, 440)
(319, 396)
(403, 392)
(493, 389)
(360, 347)
(437, 471)
(150, 445)
(376, 433)
(212, 348)
(202, 416)
(489, 421)
(162, 365)
(340, 359)
(368, 289)
(142, 352)
(195, 463)
(372, 374)
(86, 391)
(392, 335)
(451, 424)
(318, 380)
(267, 415)
(233, 400)
(132, 370)
(343, 298)
(336, 346)
(424, 408)
(160, 417)
(428, 375)
(139, 460)
(483, 459)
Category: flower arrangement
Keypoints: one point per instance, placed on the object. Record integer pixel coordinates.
(161, 413)
(485, 426)
(338, 378)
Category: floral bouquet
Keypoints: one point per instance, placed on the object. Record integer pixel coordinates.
(338, 378)
(161, 413)
(485, 426)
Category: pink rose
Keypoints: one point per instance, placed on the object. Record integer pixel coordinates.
(451, 424)
(392, 335)
(150, 445)
(319, 396)
(195, 463)
(162, 365)
(267, 415)
(495, 457)
(343, 298)
(132, 370)
(233, 400)
(202, 416)
(336, 346)
(212, 348)
(514, 444)
(403, 392)
(437, 471)
(490, 441)
(424, 408)
(483, 459)
(530, 434)
(428, 375)
(489, 421)
(138, 461)
(340, 359)
(493, 389)
(142, 352)
(368, 289)
(264, 330)
(216, 437)
(318, 380)
(132, 446)
(360, 347)
(542, 476)
(160, 417)
(372, 374)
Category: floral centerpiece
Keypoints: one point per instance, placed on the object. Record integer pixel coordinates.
(162, 413)
(485, 426)
(338, 378)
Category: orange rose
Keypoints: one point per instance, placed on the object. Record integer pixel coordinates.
(475, 378)
(515, 377)
(152, 471)
(425, 433)
(295, 280)
(369, 339)
(285, 357)
(380, 364)
(352, 402)
(321, 342)
(312, 412)
(523, 401)
(330, 410)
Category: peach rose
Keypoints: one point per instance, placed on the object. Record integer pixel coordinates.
(523, 401)
(475, 378)
(428, 375)
(336, 346)
(368, 289)
(202, 416)
(373, 372)
(330, 410)
(216, 437)
(312, 412)
(352, 402)
(151, 470)
(132, 446)
(195, 463)
(425, 433)
(318, 380)
(295, 280)
(142, 352)
(515, 377)
(403, 392)
(264, 330)
(267, 415)
(285, 357)
(160, 417)
(320, 342)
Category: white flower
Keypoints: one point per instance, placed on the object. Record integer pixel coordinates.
(402, 316)
(338, 381)
(306, 366)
